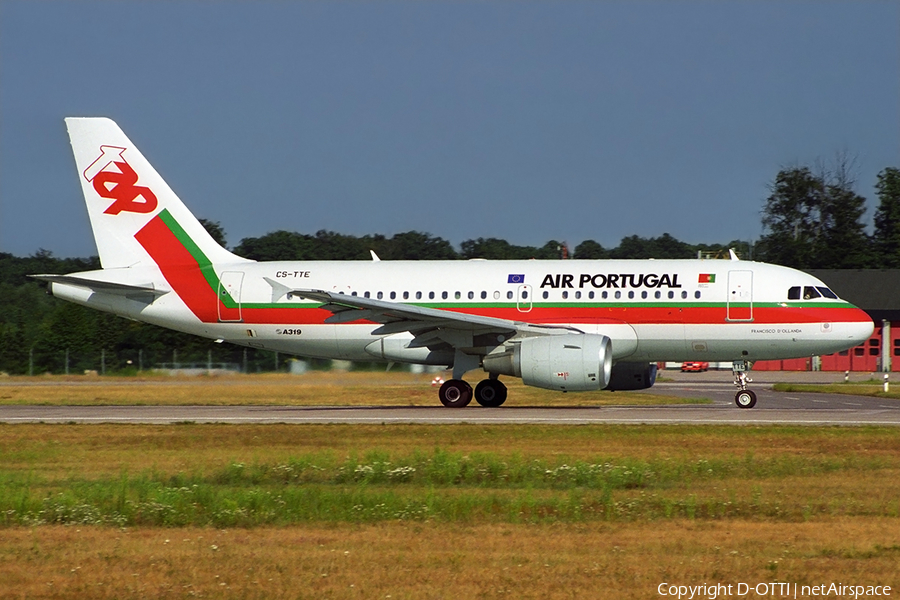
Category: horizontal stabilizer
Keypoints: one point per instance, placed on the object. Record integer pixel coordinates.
(106, 287)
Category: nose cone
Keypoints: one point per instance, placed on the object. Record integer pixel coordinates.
(859, 327)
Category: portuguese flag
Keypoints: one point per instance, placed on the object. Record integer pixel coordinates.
(707, 278)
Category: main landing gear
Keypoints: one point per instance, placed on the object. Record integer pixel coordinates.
(456, 393)
(744, 397)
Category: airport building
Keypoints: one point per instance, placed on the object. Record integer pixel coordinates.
(876, 291)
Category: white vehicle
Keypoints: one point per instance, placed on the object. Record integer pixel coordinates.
(569, 325)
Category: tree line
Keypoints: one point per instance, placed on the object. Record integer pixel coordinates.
(812, 218)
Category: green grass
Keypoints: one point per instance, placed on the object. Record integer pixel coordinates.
(871, 387)
(465, 486)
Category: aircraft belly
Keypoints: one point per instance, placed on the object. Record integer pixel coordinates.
(748, 341)
(659, 340)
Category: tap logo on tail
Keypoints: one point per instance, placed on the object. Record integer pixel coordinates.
(119, 185)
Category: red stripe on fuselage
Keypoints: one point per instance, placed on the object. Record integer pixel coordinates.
(179, 268)
(182, 271)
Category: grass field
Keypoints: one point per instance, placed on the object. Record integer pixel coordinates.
(410, 511)
(857, 388)
(427, 511)
(315, 388)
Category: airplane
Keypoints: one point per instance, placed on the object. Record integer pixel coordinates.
(567, 325)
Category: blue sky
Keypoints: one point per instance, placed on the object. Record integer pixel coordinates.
(527, 121)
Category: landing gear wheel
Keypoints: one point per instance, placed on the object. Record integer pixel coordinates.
(490, 393)
(745, 399)
(455, 393)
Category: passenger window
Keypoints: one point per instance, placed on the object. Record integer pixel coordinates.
(353, 294)
(509, 295)
(393, 295)
(683, 295)
(565, 295)
(827, 293)
(444, 295)
(644, 295)
(418, 295)
(631, 295)
(484, 295)
(657, 295)
(578, 295)
(471, 295)
(794, 293)
(366, 294)
(524, 294)
(591, 295)
(546, 294)
(380, 295)
(671, 294)
(457, 295)
(810, 292)
(406, 295)
(496, 295)
(618, 294)
(431, 295)
(604, 295)
(697, 294)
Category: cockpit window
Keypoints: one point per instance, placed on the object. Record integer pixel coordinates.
(794, 293)
(826, 292)
(810, 292)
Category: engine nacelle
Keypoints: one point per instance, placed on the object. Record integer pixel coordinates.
(576, 362)
(632, 376)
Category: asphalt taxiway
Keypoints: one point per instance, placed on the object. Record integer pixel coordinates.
(772, 408)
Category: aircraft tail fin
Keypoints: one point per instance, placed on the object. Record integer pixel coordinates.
(135, 216)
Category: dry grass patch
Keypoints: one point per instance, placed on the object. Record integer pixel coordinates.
(398, 561)
(317, 388)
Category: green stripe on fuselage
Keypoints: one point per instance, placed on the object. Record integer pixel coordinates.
(206, 266)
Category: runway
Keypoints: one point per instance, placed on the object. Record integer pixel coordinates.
(684, 414)
(773, 408)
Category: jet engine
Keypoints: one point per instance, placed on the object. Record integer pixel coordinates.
(570, 362)
(632, 376)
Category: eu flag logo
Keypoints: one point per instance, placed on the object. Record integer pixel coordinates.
(516, 279)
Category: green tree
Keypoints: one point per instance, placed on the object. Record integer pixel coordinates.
(497, 249)
(887, 219)
(591, 250)
(277, 245)
(214, 228)
(414, 245)
(664, 246)
(815, 221)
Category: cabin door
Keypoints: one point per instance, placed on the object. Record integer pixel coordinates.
(229, 300)
(740, 296)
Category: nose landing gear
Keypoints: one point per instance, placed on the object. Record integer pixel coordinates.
(744, 397)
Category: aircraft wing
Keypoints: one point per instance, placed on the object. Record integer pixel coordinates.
(106, 287)
(397, 317)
